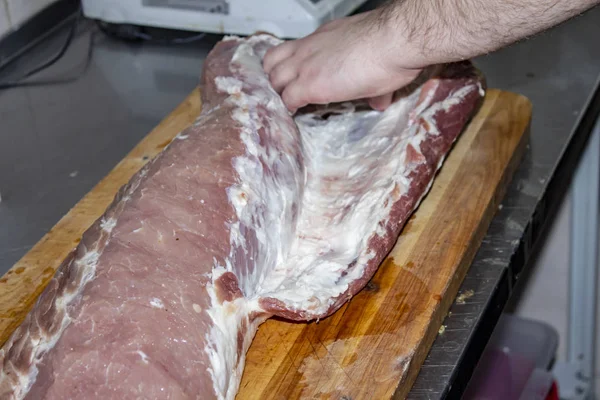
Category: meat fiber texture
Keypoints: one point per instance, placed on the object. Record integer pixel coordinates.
(249, 213)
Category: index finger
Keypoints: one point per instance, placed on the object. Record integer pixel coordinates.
(294, 96)
(277, 54)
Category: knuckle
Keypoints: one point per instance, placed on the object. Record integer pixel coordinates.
(308, 71)
(305, 48)
(269, 59)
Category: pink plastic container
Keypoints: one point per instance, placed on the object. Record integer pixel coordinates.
(515, 362)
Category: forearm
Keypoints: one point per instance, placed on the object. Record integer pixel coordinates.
(438, 31)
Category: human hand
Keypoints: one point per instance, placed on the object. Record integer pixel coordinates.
(358, 57)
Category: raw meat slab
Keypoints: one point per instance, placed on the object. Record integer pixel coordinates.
(305, 315)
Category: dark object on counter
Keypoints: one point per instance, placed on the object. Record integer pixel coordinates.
(515, 363)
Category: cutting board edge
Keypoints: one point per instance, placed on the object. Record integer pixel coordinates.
(432, 330)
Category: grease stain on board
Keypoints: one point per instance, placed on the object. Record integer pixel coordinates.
(336, 351)
(325, 374)
(409, 226)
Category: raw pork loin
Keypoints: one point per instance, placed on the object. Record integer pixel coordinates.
(249, 213)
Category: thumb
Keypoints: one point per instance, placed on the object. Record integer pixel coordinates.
(381, 103)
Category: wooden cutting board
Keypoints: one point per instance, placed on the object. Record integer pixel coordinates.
(373, 347)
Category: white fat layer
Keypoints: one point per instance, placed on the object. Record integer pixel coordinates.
(356, 168)
(226, 363)
(263, 202)
(306, 227)
(108, 224)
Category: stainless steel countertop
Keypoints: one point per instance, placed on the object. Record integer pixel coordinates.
(57, 142)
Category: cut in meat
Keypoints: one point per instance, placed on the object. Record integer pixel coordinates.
(248, 213)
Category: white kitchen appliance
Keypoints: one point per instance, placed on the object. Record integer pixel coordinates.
(283, 18)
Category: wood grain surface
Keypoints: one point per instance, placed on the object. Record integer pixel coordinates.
(373, 347)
